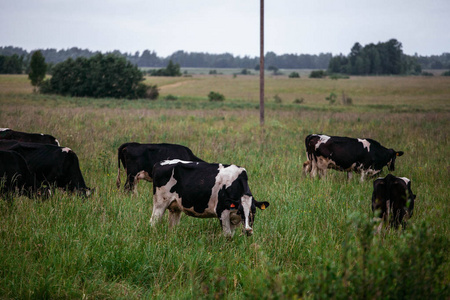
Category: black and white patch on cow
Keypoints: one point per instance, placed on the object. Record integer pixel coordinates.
(204, 190)
(393, 200)
(138, 160)
(39, 138)
(364, 156)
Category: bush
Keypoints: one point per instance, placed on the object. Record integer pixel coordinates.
(99, 76)
(318, 74)
(299, 100)
(447, 73)
(151, 92)
(213, 96)
(172, 70)
(294, 75)
(331, 98)
(427, 74)
(277, 99)
(171, 97)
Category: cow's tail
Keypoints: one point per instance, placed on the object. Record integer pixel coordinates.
(120, 157)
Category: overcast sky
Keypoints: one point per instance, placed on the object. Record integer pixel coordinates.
(219, 26)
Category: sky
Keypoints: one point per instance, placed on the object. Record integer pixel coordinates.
(230, 26)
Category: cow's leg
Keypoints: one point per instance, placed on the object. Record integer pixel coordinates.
(322, 165)
(174, 214)
(226, 224)
(160, 205)
(349, 175)
(129, 183)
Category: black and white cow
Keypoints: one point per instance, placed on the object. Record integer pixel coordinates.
(15, 176)
(364, 156)
(204, 190)
(40, 138)
(51, 165)
(138, 160)
(393, 200)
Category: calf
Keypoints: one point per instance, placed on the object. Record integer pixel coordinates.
(39, 138)
(138, 160)
(393, 200)
(364, 156)
(204, 190)
(51, 165)
(15, 176)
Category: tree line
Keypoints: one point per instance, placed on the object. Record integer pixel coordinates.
(375, 59)
(185, 59)
(381, 58)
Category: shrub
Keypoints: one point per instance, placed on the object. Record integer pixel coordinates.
(213, 96)
(318, 74)
(331, 98)
(447, 73)
(99, 76)
(172, 70)
(277, 99)
(212, 72)
(294, 75)
(427, 74)
(299, 100)
(171, 97)
(152, 92)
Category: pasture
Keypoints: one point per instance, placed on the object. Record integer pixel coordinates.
(316, 239)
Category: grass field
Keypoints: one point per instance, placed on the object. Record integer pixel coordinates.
(314, 241)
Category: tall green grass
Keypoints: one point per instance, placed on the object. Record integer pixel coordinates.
(316, 239)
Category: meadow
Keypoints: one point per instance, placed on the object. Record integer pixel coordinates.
(316, 239)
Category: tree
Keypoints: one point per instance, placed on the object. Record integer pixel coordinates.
(38, 67)
(99, 76)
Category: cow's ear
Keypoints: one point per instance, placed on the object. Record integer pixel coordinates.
(262, 205)
(399, 153)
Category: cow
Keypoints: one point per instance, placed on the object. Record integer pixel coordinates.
(51, 165)
(15, 176)
(204, 190)
(138, 160)
(364, 156)
(39, 138)
(393, 200)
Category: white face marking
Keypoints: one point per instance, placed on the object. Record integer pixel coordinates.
(65, 149)
(4, 129)
(323, 140)
(366, 144)
(406, 180)
(42, 134)
(174, 161)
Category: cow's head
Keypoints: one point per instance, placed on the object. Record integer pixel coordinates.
(393, 155)
(244, 212)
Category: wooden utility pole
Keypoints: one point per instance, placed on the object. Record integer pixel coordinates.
(261, 67)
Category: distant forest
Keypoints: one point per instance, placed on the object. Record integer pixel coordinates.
(226, 60)
(186, 59)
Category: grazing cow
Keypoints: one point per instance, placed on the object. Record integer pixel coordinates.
(204, 190)
(138, 160)
(364, 156)
(393, 198)
(15, 176)
(51, 165)
(39, 138)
